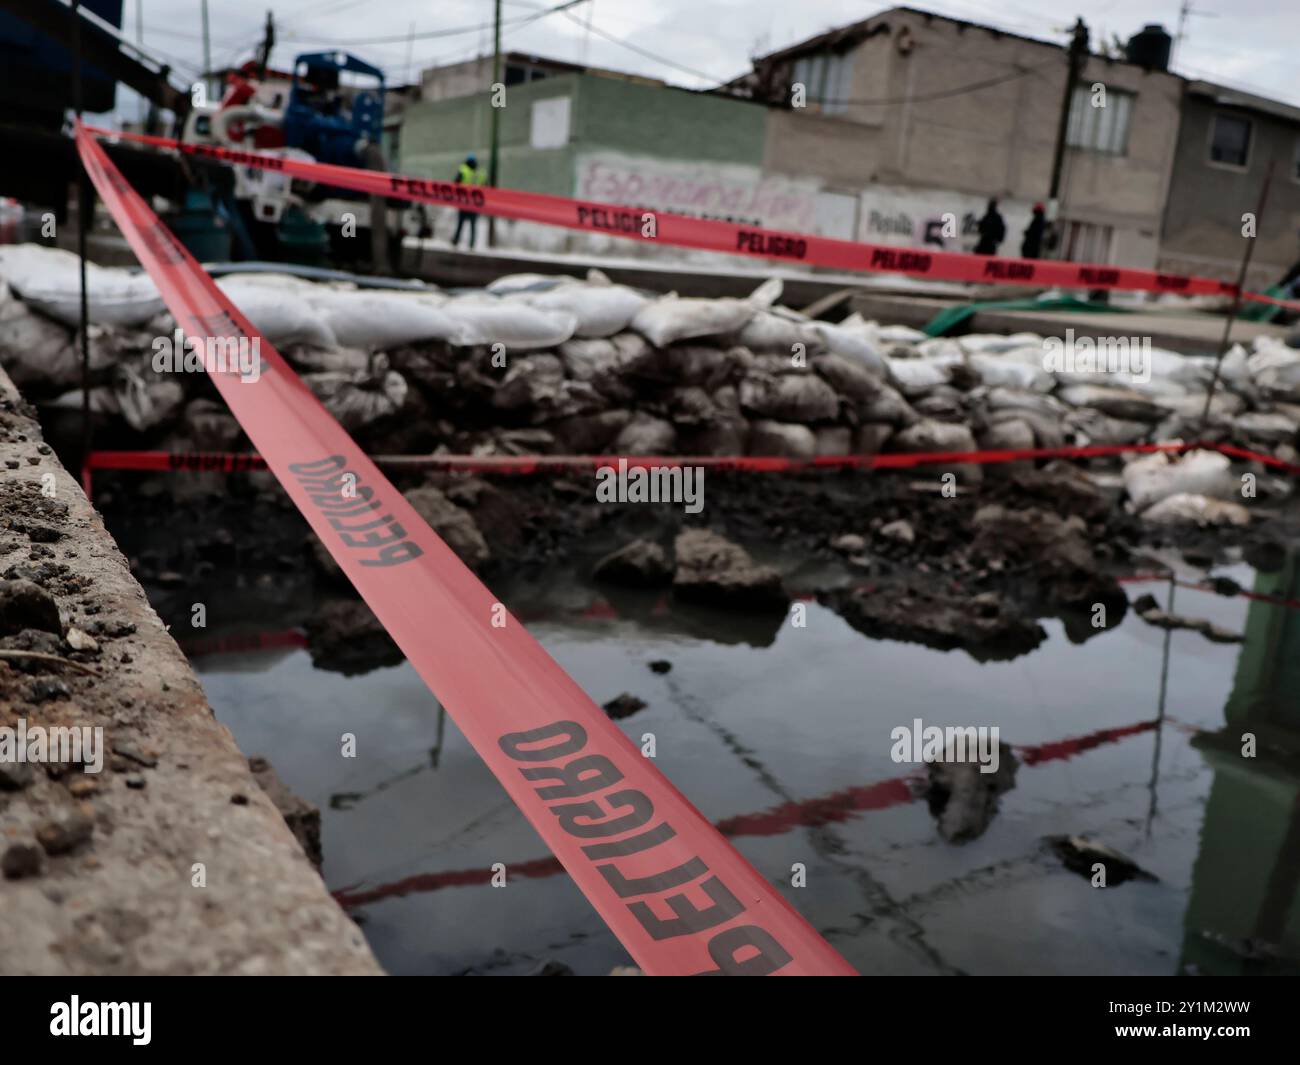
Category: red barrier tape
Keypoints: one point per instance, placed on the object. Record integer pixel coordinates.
(232, 462)
(662, 227)
(677, 895)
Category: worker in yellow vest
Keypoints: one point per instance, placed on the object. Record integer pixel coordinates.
(467, 173)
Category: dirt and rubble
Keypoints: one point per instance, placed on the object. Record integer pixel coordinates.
(897, 556)
(172, 859)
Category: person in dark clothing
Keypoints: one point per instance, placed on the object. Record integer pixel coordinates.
(992, 231)
(1031, 247)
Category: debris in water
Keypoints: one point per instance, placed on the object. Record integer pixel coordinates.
(1149, 611)
(1080, 855)
(624, 705)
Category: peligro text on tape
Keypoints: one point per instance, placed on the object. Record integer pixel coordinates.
(712, 235)
(677, 895)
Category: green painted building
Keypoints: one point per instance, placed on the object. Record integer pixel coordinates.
(614, 139)
(543, 137)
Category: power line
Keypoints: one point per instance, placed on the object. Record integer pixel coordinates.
(522, 20)
(590, 28)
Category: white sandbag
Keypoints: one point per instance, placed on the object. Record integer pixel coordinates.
(146, 404)
(1010, 434)
(1190, 370)
(530, 382)
(1225, 404)
(35, 351)
(768, 332)
(49, 281)
(789, 397)
(327, 360)
(487, 320)
(645, 434)
(1151, 478)
(1275, 369)
(1117, 402)
(997, 344)
(998, 371)
(1235, 369)
(889, 407)
(767, 437)
(370, 318)
(356, 400)
(1037, 403)
(672, 318)
(600, 309)
(852, 344)
(1190, 508)
(901, 334)
(849, 377)
(929, 435)
(514, 283)
(1270, 428)
(282, 314)
(103, 400)
(916, 377)
(941, 349)
(1092, 427)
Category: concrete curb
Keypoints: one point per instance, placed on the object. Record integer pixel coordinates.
(111, 859)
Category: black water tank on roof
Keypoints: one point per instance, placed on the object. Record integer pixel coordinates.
(1150, 48)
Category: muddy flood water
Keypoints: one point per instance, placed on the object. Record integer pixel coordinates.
(782, 737)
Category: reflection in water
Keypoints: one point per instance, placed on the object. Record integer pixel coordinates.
(1242, 915)
(783, 742)
(808, 813)
(963, 798)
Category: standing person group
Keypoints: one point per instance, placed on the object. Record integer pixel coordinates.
(993, 231)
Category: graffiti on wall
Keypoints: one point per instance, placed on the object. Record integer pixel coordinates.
(948, 220)
(730, 193)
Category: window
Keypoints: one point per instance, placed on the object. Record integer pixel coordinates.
(825, 78)
(1085, 242)
(550, 123)
(1099, 121)
(1230, 140)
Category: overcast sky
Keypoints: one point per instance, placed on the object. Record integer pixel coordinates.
(1249, 44)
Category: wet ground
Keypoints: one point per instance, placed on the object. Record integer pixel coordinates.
(781, 736)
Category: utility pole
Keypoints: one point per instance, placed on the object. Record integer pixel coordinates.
(496, 119)
(1078, 54)
(85, 208)
(139, 39)
(207, 48)
(265, 48)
